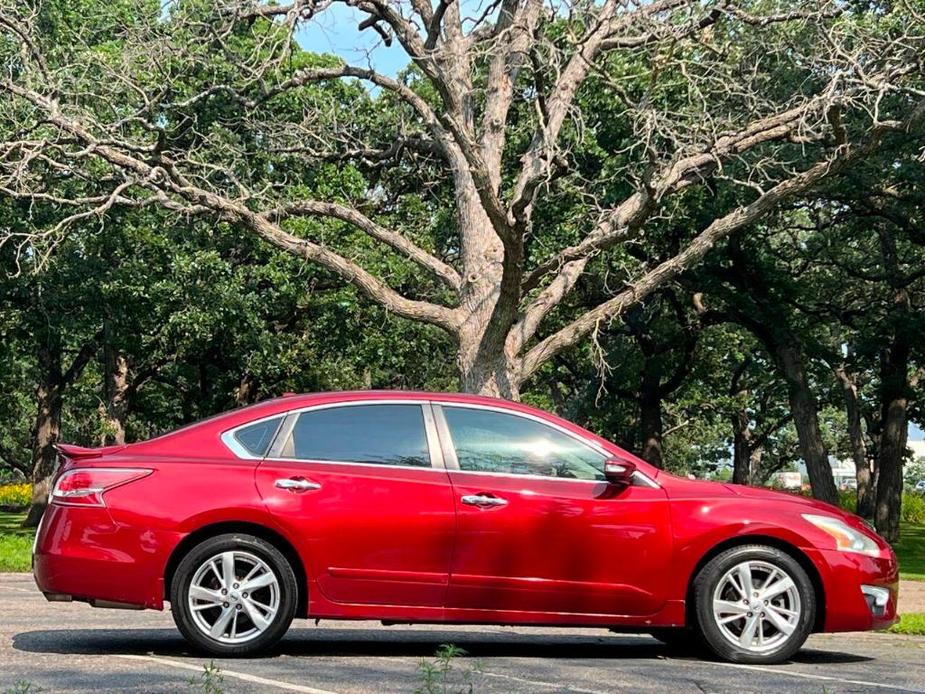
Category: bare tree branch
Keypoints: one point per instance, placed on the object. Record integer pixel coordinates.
(702, 243)
(394, 240)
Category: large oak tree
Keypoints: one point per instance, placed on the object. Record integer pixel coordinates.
(747, 102)
(526, 147)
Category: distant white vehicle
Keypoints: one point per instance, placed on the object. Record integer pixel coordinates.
(789, 480)
(920, 486)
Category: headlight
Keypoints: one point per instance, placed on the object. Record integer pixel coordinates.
(847, 539)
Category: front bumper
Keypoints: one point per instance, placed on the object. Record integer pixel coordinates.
(849, 581)
(82, 554)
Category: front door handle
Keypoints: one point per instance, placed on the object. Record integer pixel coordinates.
(296, 484)
(483, 500)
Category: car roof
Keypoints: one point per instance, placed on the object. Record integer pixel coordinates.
(203, 438)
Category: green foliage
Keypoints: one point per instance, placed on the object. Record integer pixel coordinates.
(441, 676)
(910, 550)
(211, 681)
(15, 496)
(913, 510)
(913, 506)
(22, 687)
(912, 624)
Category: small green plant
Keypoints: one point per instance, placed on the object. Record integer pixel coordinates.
(913, 509)
(441, 676)
(210, 681)
(22, 687)
(911, 624)
(913, 505)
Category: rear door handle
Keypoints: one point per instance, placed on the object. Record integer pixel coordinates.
(483, 500)
(296, 484)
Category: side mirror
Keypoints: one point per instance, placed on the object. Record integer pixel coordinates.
(618, 471)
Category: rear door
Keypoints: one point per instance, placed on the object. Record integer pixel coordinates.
(539, 530)
(371, 504)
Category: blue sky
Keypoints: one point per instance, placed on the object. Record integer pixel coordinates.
(335, 31)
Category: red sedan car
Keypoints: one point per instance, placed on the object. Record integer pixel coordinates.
(422, 507)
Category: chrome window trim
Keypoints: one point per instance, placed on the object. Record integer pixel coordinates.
(439, 441)
(449, 450)
(425, 468)
(229, 439)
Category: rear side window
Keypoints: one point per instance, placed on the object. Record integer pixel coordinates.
(379, 434)
(256, 438)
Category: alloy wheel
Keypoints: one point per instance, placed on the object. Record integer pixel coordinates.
(234, 597)
(756, 606)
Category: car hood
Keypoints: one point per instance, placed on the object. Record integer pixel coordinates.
(680, 487)
(809, 505)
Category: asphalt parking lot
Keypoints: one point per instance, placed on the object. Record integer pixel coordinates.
(76, 648)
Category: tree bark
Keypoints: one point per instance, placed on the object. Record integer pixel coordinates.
(895, 405)
(246, 392)
(650, 420)
(806, 420)
(492, 376)
(116, 390)
(47, 430)
(895, 388)
(865, 502)
(741, 448)
(53, 381)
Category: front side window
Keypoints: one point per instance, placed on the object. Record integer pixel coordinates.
(256, 438)
(488, 441)
(379, 434)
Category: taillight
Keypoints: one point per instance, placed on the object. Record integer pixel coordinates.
(85, 486)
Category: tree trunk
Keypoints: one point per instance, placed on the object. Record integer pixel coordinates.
(246, 392)
(865, 502)
(494, 377)
(116, 388)
(741, 448)
(806, 421)
(650, 420)
(895, 405)
(47, 431)
(867, 490)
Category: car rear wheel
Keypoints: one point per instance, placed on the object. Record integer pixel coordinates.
(234, 594)
(754, 604)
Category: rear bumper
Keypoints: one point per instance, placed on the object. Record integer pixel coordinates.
(844, 577)
(81, 554)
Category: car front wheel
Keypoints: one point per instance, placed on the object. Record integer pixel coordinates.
(234, 594)
(755, 604)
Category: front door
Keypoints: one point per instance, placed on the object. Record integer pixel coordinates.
(538, 528)
(375, 518)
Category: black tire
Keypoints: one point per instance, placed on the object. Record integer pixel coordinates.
(287, 594)
(719, 643)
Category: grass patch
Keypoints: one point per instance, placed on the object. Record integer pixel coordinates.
(15, 553)
(11, 523)
(912, 624)
(910, 550)
(15, 543)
